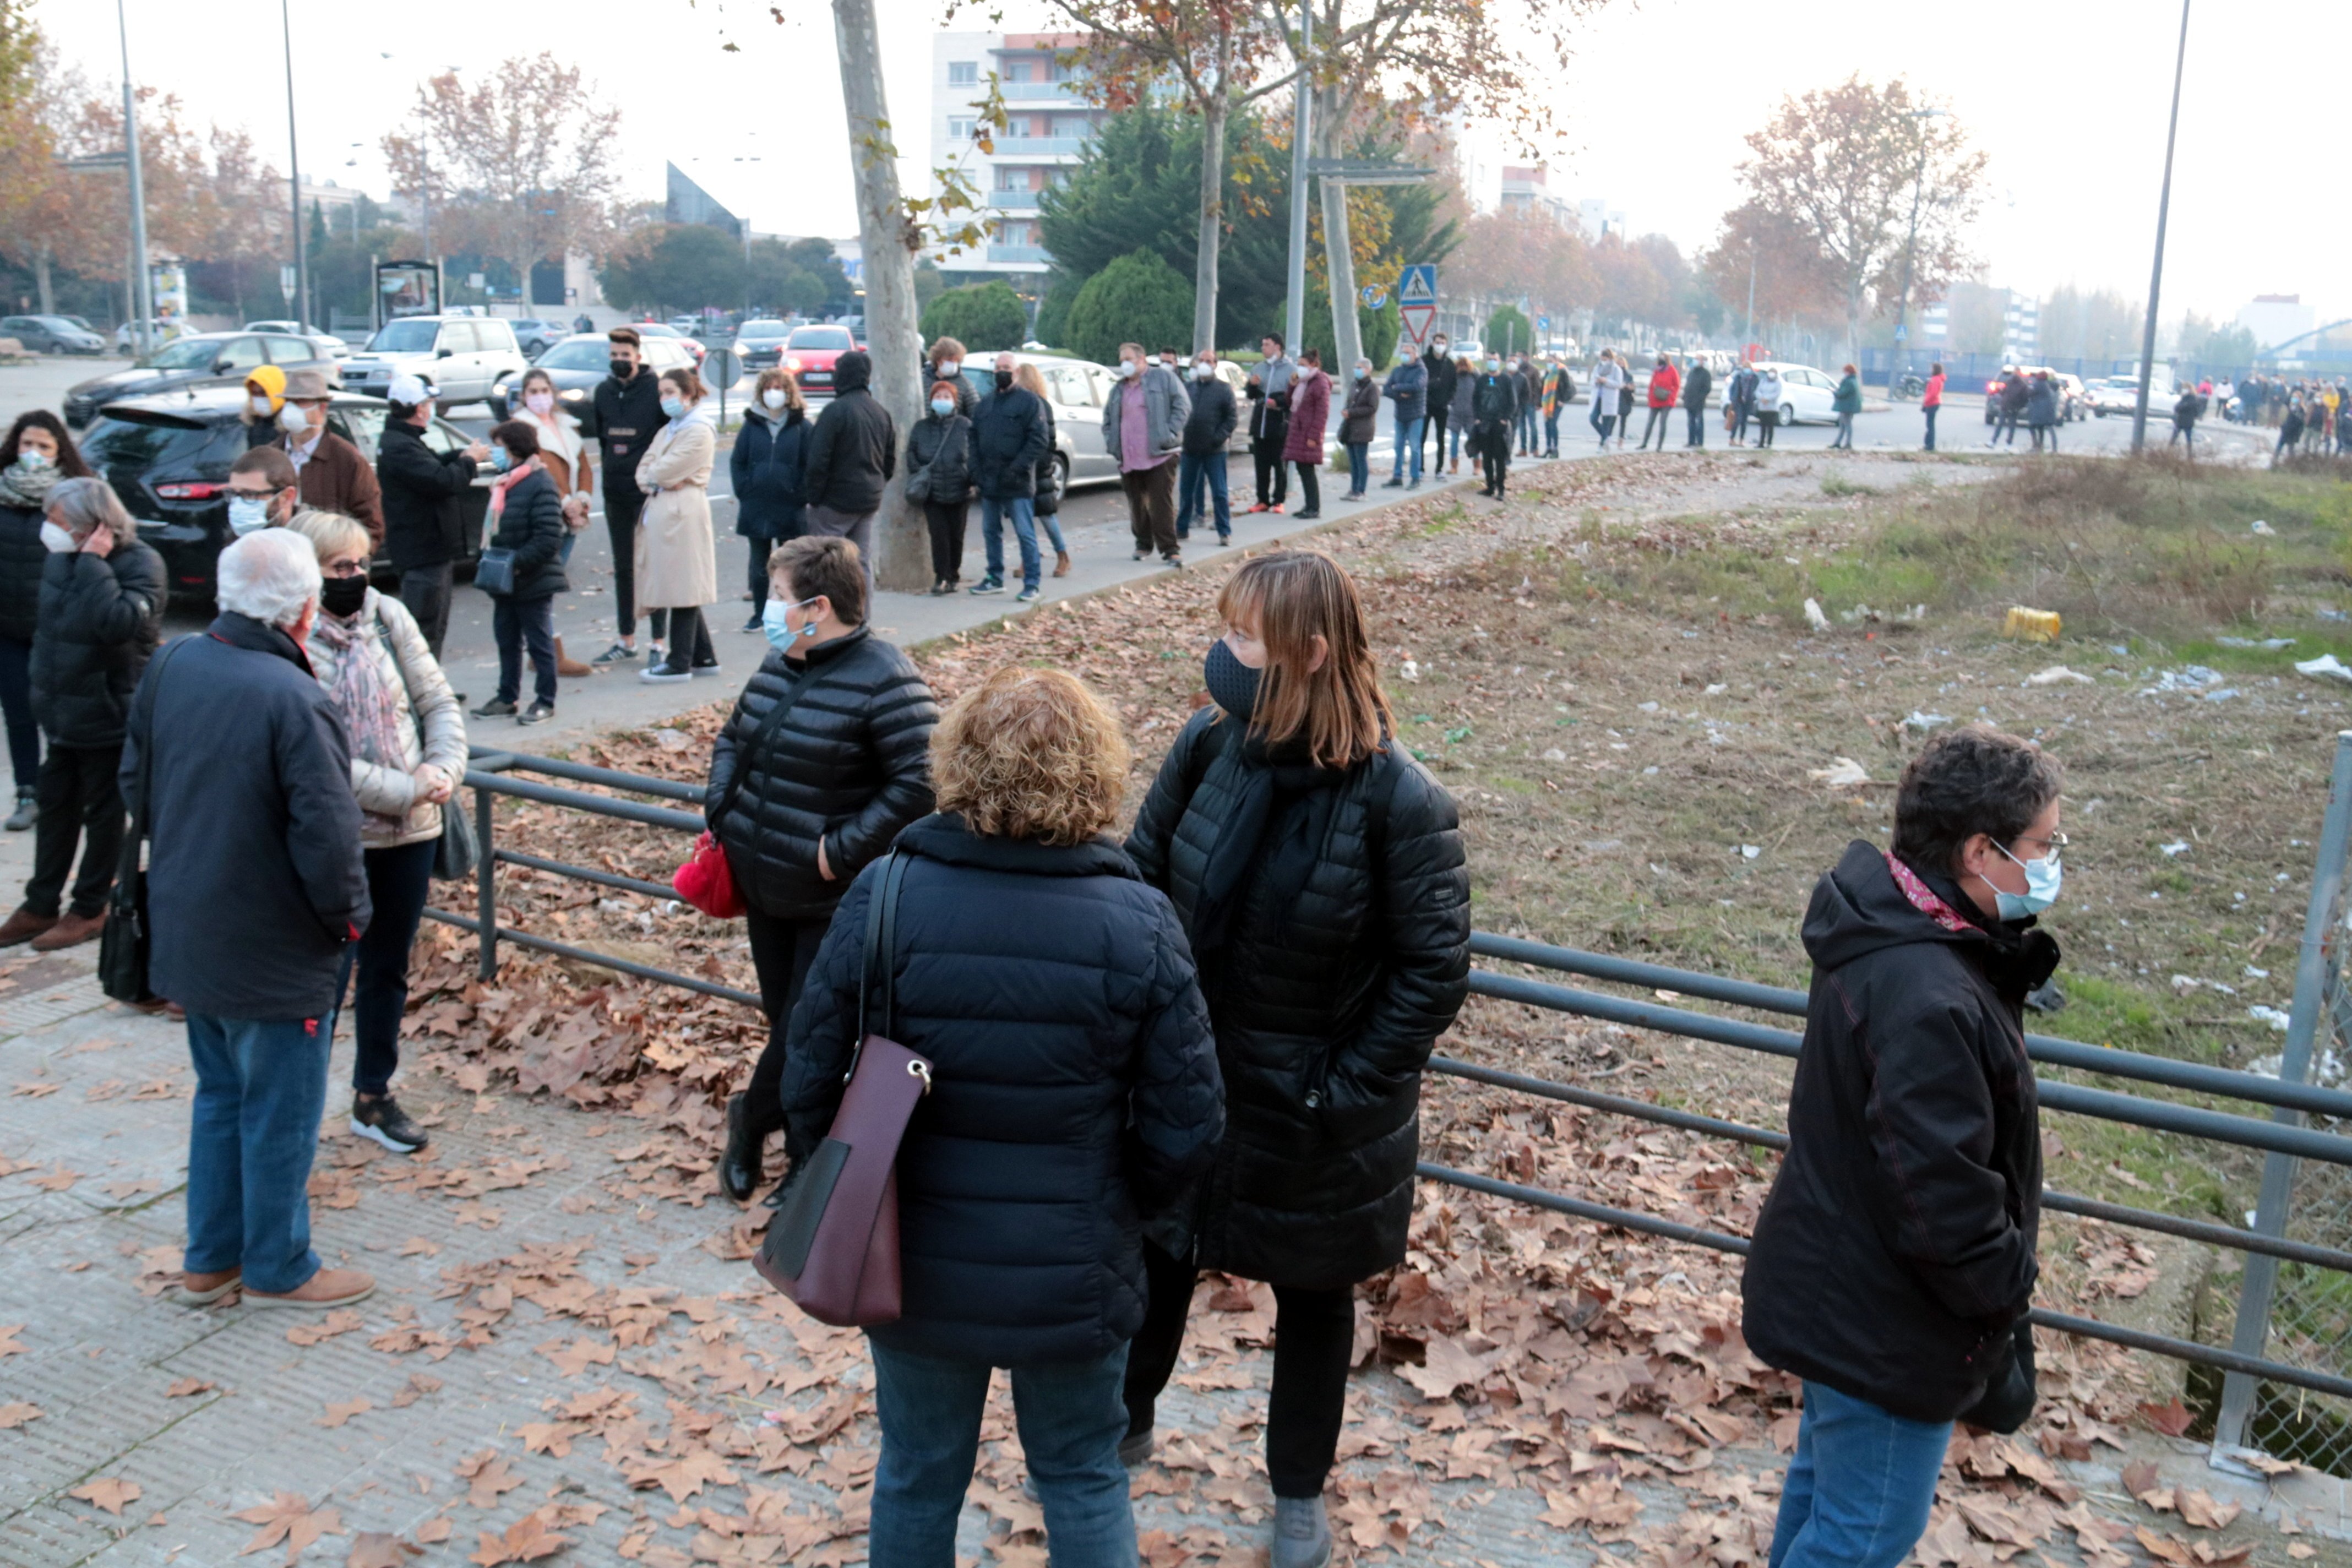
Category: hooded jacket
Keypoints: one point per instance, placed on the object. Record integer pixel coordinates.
(1666, 385)
(1895, 1249)
(854, 449)
(765, 467)
(100, 618)
(2040, 401)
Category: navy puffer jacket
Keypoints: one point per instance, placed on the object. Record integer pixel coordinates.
(766, 468)
(1073, 1087)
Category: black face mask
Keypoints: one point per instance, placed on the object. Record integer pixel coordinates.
(1003, 381)
(343, 595)
(622, 370)
(1231, 683)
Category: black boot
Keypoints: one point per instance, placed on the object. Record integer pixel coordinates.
(738, 1165)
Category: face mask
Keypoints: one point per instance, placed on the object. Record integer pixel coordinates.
(1003, 381)
(293, 421)
(248, 514)
(1231, 683)
(260, 406)
(2042, 878)
(1494, 367)
(949, 367)
(32, 462)
(343, 595)
(501, 459)
(59, 541)
(1362, 371)
(1441, 345)
(673, 407)
(774, 399)
(1202, 372)
(622, 369)
(780, 634)
(1127, 368)
(539, 402)
(943, 406)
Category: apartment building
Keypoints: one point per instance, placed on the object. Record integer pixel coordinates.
(1049, 124)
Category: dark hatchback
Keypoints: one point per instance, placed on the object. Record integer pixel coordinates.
(201, 359)
(168, 457)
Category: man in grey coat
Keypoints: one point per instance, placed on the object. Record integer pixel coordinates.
(1143, 428)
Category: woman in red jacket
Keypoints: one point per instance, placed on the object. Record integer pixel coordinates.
(1931, 400)
(1310, 412)
(1665, 386)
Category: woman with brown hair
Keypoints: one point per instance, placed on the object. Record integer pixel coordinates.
(37, 452)
(1318, 873)
(765, 467)
(1072, 1091)
(676, 559)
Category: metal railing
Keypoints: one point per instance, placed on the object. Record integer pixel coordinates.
(2281, 1136)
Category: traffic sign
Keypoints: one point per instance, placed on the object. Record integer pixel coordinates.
(1901, 331)
(1418, 320)
(1373, 295)
(286, 283)
(1543, 324)
(1419, 285)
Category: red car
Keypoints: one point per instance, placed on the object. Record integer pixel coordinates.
(809, 354)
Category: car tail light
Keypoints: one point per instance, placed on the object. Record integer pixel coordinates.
(190, 490)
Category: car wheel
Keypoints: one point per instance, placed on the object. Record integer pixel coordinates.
(1788, 416)
(1061, 474)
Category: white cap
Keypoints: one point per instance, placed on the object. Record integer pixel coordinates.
(409, 391)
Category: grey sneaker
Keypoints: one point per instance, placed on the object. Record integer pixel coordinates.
(1026, 596)
(1302, 1533)
(619, 653)
(26, 814)
(537, 713)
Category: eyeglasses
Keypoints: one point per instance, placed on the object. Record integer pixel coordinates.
(345, 569)
(2054, 847)
(243, 494)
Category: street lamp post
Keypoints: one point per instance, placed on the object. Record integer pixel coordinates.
(294, 172)
(1748, 336)
(1911, 243)
(1295, 308)
(142, 288)
(2156, 274)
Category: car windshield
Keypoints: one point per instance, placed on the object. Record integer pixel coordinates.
(127, 450)
(409, 337)
(188, 353)
(762, 329)
(580, 353)
(821, 338)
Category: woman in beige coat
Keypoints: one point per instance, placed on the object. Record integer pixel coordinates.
(677, 560)
(408, 752)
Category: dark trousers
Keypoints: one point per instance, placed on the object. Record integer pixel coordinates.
(755, 575)
(80, 804)
(1767, 421)
(17, 701)
(1152, 506)
(1435, 425)
(1496, 458)
(621, 513)
(945, 519)
(515, 623)
(781, 950)
(689, 640)
(1696, 419)
(1314, 1340)
(1741, 413)
(1309, 486)
(1360, 466)
(1656, 424)
(399, 880)
(1931, 414)
(424, 591)
(1273, 478)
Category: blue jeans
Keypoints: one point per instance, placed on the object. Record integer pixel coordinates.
(1071, 1418)
(1931, 414)
(261, 1086)
(1408, 438)
(1552, 431)
(1858, 1488)
(1023, 510)
(1602, 424)
(1193, 472)
(1359, 465)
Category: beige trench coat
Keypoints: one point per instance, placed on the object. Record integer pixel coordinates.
(677, 558)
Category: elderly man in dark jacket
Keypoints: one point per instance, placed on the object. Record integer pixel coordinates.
(849, 457)
(240, 767)
(1697, 385)
(1009, 437)
(1205, 462)
(1443, 374)
(101, 611)
(824, 759)
(424, 526)
(1893, 1262)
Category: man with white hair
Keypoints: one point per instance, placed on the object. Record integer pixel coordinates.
(238, 764)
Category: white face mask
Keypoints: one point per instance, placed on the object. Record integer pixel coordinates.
(539, 402)
(1441, 345)
(949, 367)
(59, 541)
(293, 421)
(1127, 367)
(260, 406)
(773, 397)
(1203, 370)
(248, 514)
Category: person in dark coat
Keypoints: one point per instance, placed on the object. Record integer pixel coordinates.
(1408, 387)
(2041, 411)
(2007, 405)
(526, 517)
(334, 475)
(1846, 402)
(37, 452)
(1206, 462)
(623, 415)
(1008, 437)
(1074, 1093)
(1318, 873)
(850, 455)
(801, 808)
(1267, 387)
(938, 477)
(1358, 420)
(1444, 374)
(765, 467)
(1046, 505)
(1697, 385)
(423, 527)
(1494, 405)
(1893, 1261)
(244, 768)
(101, 616)
(2186, 410)
(1310, 416)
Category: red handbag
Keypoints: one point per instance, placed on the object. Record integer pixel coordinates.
(706, 880)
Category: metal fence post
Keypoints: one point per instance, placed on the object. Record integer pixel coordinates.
(2258, 1282)
(486, 881)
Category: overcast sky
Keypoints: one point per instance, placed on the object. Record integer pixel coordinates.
(2069, 97)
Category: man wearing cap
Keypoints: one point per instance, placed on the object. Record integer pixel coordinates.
(424, 529)
(334, 475)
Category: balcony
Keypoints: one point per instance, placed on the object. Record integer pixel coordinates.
(1018, 255)
(1039, 146)
(1031, 92)
(1015, 201)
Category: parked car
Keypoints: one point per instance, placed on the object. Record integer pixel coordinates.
(168, 457)
(647, 331)
(1805, 392)
(198, 359)
(576, 364)
(158, 333)
(50, 335)
(325, 339)
(685, 326)
(2119, 394)
(1077, 389)
(809, 354)
(2074, 404)
(760, 344)
(537, 336)
(460, 357)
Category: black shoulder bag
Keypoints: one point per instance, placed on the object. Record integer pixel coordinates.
(122, 947)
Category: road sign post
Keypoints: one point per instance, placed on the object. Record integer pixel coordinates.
(1417, 302)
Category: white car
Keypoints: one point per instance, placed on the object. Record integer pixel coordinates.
(2118, 394)
(1806, 393)
(158, 333)
(328, 341)
(1077, 389)
(460, 357)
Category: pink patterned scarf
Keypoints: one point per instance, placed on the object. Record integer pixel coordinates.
(507, 481)
(1923, 898)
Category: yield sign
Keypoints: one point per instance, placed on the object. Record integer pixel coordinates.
(1418, 320)
(1417, 301)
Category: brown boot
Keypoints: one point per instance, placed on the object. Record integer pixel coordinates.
(24, 926)
(327, 1288)
(70, 930)
(565, 665)
(1061, 563)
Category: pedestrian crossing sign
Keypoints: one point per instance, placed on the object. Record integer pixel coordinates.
(1417, 301)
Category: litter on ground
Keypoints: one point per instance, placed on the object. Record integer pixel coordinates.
(2326, 666)
(2055, 675)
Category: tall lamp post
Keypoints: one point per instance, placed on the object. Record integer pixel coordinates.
(294, 174)
(1294, 316)
(143, 285)
(1911, 243)
(2163, 212)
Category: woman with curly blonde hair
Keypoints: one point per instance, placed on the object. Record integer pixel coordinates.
(1073, 1091)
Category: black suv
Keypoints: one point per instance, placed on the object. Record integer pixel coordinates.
(199, 359)
(168, 457)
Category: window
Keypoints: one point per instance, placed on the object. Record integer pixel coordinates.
(1012, 179)
(495, 335)
(410, 337)
(963, 73)
(360, 424)
(240, 354)
(290, 351)
(457, 337)
(962, 129)
(1016, 71)
(1071, 388)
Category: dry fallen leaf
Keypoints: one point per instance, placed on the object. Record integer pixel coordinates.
(487, 1474)
(2201, 1510)
(2139, 1476)
(111, 1493)
(527, 1539)
(2171, 1418)
(57, 1179)
(1445, 1367)
(16, 1414)
(338, 1414)
(342, 1320)
(434, 1530)
(288, 1517)
(9, 1345)
(185, 1387)
(380, 1549)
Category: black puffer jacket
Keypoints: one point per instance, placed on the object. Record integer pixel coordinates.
(1048, 499)
(101, 616)
(1896, 1248)
(939, 450)
(852, 448)
(422, 523)
(851, 763)
(1325, 1011)
(1073, 1087)
(531, 525)
(22, 556)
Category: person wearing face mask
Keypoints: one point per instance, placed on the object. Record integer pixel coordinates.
(1608, 377)
(264, 399)
(1143, 427)
(1357, 422)
(1205, 464)
(1317, 872)
(1268, 389)
(407, 737)
(423, 527)
(1047, 505)
(851, 456)
(945, 362)
(1558, 392)
(564, 454)
(623, 416)
(101, 615)
(37, 452)
(1893, 1261)
(677, 558)
(1008, 442)
(1696, 385)
(1463, 415)
(332, 476)
(939, 479)
(1527, 382)
(1408, 388)
(1441, 374)
(1494, 407)
(825, 758)
(1665, 388)
(1310, 417)
(526, 517)
(765, 469)
(264, 491)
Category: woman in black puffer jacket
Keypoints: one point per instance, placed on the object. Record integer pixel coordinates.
(35, 455)
(1318, 872)
(1072, 1091)
(802, 807)
(527, 517)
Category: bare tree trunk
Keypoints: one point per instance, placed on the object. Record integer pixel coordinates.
(1212, 219)
(522, 271)
(1339, 254)
(41, 280)
(888, 237)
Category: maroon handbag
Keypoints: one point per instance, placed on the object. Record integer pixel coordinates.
(834, 1245)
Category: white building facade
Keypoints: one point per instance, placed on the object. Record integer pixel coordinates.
(1049, 124)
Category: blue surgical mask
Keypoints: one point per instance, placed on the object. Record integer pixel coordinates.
(29, 461)
(780, 634)
(2042, 880)
(247, 515)
(501, 459)
(943, 406)
(673, 407)
(1230, 682)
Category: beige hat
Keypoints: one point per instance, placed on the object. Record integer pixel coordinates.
(306, 384)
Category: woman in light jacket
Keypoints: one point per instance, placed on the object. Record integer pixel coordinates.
(564, 454)
(408, 752)
(678, 559)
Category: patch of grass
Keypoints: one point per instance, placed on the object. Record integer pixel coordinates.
(1836, 485)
